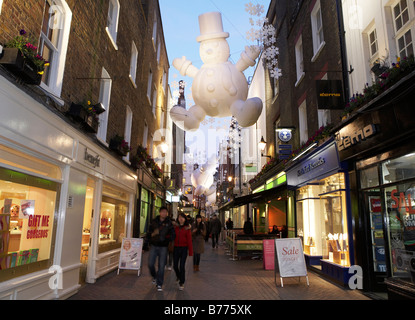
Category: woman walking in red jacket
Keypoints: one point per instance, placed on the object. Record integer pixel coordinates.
(182, 246)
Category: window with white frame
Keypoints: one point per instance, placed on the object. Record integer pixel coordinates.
(405, 45)
(112, 21)
(299, 57)
(317, 28)
(133, 64)
(149, 85)
(53, 43)
(158, 51)
(104, 99)
(164, 81)
(145, 134)
(323, 114)
(154, 104)
(154, 38)
(401, 14)
(373, 43)
(128, 127)
(302, 116)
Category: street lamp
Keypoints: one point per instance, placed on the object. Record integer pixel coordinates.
(230, 178)
(262, 145)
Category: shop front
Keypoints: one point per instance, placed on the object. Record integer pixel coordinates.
(274, 207)
(323, 211)
(379, 146)
(66, 202)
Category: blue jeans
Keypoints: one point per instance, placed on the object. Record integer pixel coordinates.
(180, 256)
(161, 253)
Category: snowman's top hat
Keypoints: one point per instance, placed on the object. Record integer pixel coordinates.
(211, 26)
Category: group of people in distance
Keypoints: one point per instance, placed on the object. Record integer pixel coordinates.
(179, 239)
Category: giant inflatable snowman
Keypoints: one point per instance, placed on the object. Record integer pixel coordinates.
(202, 178)
(219, 87)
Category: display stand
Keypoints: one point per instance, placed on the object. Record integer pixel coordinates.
(131, 254)
(290, 260)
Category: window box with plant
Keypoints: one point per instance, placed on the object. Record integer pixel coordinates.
(119, 145)
(20, 57)
(86, 113)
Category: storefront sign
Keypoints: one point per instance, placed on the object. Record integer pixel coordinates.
(344, 142)
(323, 161)
(91, 159)
(131, 253)
(330, 94)
(285, 135)
(290, 258)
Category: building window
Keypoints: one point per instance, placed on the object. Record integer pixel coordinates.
(128, 127)
(133, 64)
(401, 14)
(164, 81)
(112, 21)
(154, 37)
(149, 85)
(373, 43)
(158, 51)
(323, 118)
(317, 28)
(154, 104)
(299, 57)
(114, 209)
(405, 46)
(28, 205)
(302, 114)
(145, 135)
(53, 46)
(104, 98)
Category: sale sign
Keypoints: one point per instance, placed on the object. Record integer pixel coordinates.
(290, 256)
(268, 254)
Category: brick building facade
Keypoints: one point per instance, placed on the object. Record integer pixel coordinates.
(109, 52)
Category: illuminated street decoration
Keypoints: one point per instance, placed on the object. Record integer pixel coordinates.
(219, 88)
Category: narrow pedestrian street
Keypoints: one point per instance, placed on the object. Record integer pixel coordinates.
(219, 278)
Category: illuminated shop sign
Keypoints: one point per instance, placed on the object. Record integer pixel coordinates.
(345, 142)
(314, 166)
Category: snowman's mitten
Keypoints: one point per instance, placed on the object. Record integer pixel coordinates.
(185, 67)
(248, 58)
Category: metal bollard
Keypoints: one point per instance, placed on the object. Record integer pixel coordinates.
(234, 249)
(228, 246)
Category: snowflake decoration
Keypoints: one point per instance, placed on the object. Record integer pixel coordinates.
(266, 36)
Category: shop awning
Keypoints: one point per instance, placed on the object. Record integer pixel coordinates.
(254, 197)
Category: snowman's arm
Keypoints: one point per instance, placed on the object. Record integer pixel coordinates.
(248, 58)
(185, 67)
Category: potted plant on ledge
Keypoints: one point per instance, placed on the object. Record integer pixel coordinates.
(21, 58)
(119, 145)
(87, 114)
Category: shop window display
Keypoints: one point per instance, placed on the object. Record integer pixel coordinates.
(27, 212)
(112, 219)
(322, 219)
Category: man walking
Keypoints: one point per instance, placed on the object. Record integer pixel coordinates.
(215, 229)
(160, 233)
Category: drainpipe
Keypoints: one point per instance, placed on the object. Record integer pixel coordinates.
(343, 52)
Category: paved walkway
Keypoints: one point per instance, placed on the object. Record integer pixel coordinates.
(219, 278)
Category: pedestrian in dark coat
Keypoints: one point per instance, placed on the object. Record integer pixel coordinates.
(160, 233)
(198, 235)
(215, 229)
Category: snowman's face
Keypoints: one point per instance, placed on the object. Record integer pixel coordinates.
(214, 51)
